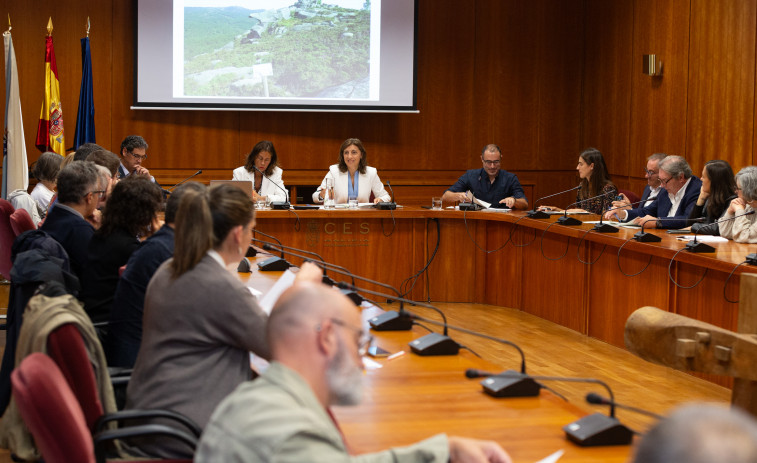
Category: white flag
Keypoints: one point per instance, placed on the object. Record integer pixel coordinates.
(15, 168)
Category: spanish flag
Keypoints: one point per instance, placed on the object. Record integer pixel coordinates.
(50, 129)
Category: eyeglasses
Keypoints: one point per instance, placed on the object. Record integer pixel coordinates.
(664, 181)
(650, 172)
(492, 163)
(100, 192)
(363, 339)
(137, 156)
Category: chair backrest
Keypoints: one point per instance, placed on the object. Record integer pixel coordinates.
(633, 197)
(6, 237)
(66, 347)
(51, 411)
(21, 221)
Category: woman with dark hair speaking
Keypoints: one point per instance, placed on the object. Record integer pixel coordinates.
(352, 178)
(597, 190)
(268, 187)
(200, 321)
(718, 189)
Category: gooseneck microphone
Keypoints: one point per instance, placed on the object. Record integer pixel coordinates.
(168, 191)
(697, 246)
(592, 430)
(596, 399)
(272, 264)
(569, 221)
(534, 214)
(605, 228)
(383, 205)
(643, 237)
(278, 204)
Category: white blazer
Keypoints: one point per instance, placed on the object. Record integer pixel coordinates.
(367, 183)
(267, 187)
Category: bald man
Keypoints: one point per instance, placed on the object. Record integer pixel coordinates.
(316, 341)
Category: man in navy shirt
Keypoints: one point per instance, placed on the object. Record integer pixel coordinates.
(491, 184)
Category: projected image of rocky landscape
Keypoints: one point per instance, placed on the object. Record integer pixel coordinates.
(309, 49)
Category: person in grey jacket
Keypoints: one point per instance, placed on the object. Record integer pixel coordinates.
(316, 341)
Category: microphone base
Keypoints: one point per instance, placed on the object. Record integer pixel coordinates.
(468, 207)
(356, 298)
(751, 259)
(244, 266)
(251, 252)
(605, 228)
(644, 237)
(434, 344)
(391, 321)
(698, 246)
(598, 430)
(383, 206)
(532, 214)
(281, 205)
(569, 221)
(273, 264)
(499, 386)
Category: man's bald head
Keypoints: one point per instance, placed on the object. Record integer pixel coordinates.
(302, 307)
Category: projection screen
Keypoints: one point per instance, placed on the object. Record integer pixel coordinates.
(284, 55)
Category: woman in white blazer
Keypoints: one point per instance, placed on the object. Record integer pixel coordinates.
(271, 186)
(353, 178)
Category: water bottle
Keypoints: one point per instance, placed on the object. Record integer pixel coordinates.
(328, 194)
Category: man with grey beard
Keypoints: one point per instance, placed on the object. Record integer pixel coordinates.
(317, 344)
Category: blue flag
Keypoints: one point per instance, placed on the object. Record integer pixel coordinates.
(85, 119)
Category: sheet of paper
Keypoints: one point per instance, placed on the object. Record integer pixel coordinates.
(552, 458)
(266, 302)
(703, 238)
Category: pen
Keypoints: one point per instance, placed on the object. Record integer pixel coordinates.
(395, 355)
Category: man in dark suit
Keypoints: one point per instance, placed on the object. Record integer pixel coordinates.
(79, 191)
(651, 190)
(672, 206)
(133, 152)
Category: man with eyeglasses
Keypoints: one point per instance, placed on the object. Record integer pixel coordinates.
(133, 152)
(653, 188)
(672, 206)
(79, 191)
(316, 341)
(490, 183)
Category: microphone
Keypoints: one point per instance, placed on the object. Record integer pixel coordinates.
(272, 264)
(565, 220)
(643, 237)
(525, 388)
(167, 192)
(324, 265)
(186, 179)
(696, 246)
(592, 430)
(596, 399)
(534, 214)
(382, 205)
(278, 204)
(605, 228)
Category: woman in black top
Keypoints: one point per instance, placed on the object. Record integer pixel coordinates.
(718, 189)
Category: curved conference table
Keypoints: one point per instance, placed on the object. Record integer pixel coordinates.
(566, 274)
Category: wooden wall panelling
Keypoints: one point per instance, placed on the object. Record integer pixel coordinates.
(559, 66)
(506, 81)
(613, 296)
(457, 256)
(720, 106)
(539, 298)
(658, 104)
(503, 275)
(606, 103)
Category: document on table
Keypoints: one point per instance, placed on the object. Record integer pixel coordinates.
(552, 458)
(703, 238)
